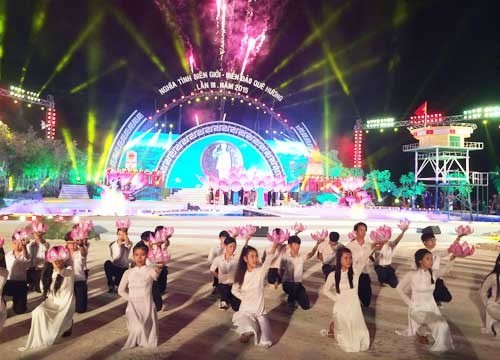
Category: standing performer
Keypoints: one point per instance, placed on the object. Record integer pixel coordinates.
(120, 250)
(53, 318)
(327, 253)
(342, 287)
(441, 292)
(135, 287)
(216, 251)
(251, 319)
(17, 263)
(3, 279)
(490, 295)
(422, 308)
(385, 272)
(37, 250)
(274, 275)
(359, 248)
(292, 264)
(78, 248)
(162, 277)
(223, 268)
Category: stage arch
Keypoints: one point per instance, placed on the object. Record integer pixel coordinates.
(202, 131)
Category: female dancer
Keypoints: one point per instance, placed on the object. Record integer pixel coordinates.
(54, 317)
(135, 287)
(248, 286)
(342, 287)
(490, 295)
(422, 308)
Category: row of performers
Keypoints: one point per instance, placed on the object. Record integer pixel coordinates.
(240, 281)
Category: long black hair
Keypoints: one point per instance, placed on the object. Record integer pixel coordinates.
(338, 269)
(496, 270)
(419, 255)
(241, 269)
(2, 258)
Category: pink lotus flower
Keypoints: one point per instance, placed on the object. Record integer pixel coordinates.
(2, 241)
(298, 227)
(381, 234)
(461, 250)
(57, 253)
(168, 231)
(278, 238)
(159, 256)
(20, 235)
(320, 235)
(39, 227)
(404, 224)
(78, 233)
(86, 226)
(234, 231)
(122, 223)
(158, 238)
(247, 231)
(352, 235)
(464, 230)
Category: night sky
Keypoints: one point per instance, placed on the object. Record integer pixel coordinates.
(393, 55)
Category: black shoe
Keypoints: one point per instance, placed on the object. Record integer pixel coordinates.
(68, 332)
(111, 289)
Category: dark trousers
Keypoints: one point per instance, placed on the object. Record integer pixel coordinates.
(33, 276)
(386, 275)
(227, 296)
(365, 289)
(113, 273)
(441, 292)
(273, 276)
(155, 289)
(81, 296)
(327, 269)
(19, 292)
(162, 280)
(215, 282)
(296, 293)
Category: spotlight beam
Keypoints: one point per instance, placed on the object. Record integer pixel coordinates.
(3, 27)
(117, 65)
(93, 23)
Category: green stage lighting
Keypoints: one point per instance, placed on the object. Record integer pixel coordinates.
(117, 65)
(3, 23)
(489, 112)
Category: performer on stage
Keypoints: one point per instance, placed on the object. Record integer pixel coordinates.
(223, 269)
(53, 318)
(383, 260)
(78, 250)
(422, 308)
(490, 295)
(274, 275)
(37, 250)
(251, 319)
(359, 248)
(135, 287)
(292, 264)
(441, 293)
(18, 262)
(120, 250)
(341, 286)
(327, 253)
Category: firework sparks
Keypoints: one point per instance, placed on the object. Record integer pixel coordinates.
(253, 47)
(192, 63)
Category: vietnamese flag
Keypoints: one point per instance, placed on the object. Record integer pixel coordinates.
(421, 110)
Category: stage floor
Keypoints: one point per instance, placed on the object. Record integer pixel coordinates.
(192, 325)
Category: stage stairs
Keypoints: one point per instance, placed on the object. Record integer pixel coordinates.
(71, 191)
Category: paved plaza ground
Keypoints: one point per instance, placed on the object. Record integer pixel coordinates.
(192, 326)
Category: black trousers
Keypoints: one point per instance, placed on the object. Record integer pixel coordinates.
(441, 292)
(327, 269)
(33, 276)
(81, 296)
(227, 296)
(386, 275)
(162, 280)
(155, 289)
(215, 282)
(113, 273)
(19, 292)
(365, 289)
(296, 293)
(273, 276)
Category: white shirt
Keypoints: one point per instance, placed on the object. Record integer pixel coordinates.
(17, 266)
(437, 255)
(37, 253)
(329, 252)
(385, 254)
(226, 268)
(119, 254)
(79, 265)
(293, 267)
(275, 264)
(359, 252)
(214, 252)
